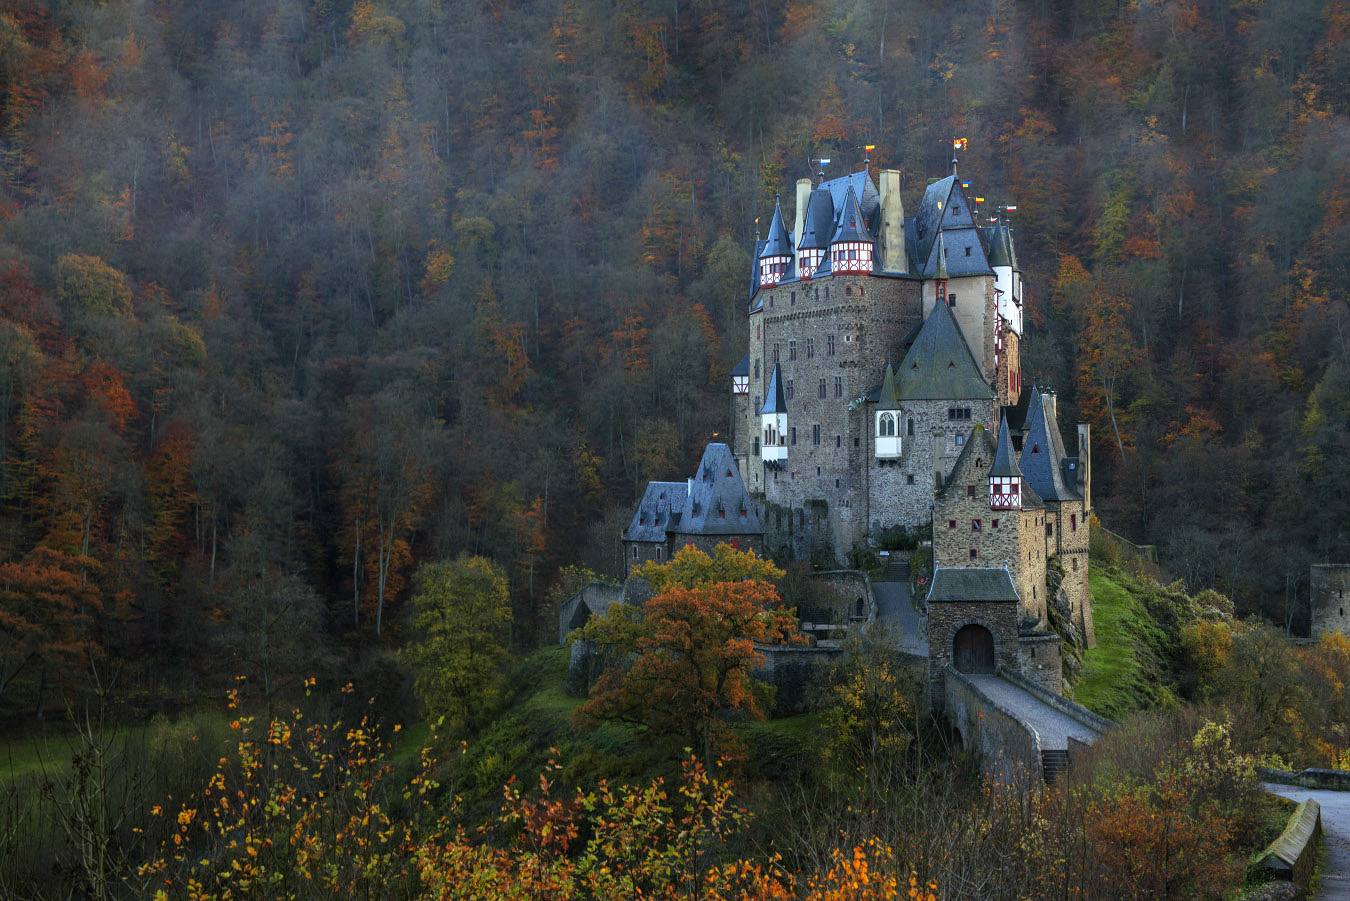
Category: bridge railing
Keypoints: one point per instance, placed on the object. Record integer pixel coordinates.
(1011, 746)
(1098, 724)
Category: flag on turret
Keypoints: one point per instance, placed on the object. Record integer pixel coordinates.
(958, 143)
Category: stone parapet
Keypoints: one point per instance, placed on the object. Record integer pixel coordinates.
(1099, 724)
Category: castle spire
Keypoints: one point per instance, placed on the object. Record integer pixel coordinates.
(776, 256)
(1005, 478)
(852, 247)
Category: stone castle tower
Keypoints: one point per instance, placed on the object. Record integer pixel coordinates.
(884, 358)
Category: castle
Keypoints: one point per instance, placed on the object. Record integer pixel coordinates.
(882, 391)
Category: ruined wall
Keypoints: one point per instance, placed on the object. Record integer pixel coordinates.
(1329, 597)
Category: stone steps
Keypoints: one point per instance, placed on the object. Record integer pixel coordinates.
(897, 571)
(1053, 764)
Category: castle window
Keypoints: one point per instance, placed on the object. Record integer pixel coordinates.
(951, 301)
(979, 463)
(635, 552)
(836, 483)
(721, 514)
(775, 352)
(757, 370)
(951, 523)
(827, 292)
(838, 386)
(1073, 522)
(756, 446)
(793, 302)
(1017, 443)
(815, 434)
(758, 405)
(810, 348)
(735, 544)
(1049, 530)
(993, 523)
(886, 427)
(909, 428)
(1075, 564)
(829, 345)
(792, 350)
(855, 440)
(837, 440)
(975, 525)
(861, 290)
(960, 440)
(967, 251)
(820, 389)
(756, 332)
(793, 430)
(790, 389)
(909, 479)
(658, 554)
(1035, 448)
(972, 553)
(771, 301)
(817, 294)
(848, 291)
(970, 491)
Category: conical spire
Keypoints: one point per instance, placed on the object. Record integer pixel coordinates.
(779, 243)
(1005, 463)
(1000, 249)
(850, 225)
(941, 270)
(889, 399)
(775, 402)
(818, 225)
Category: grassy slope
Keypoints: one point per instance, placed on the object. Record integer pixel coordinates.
(1124, 672)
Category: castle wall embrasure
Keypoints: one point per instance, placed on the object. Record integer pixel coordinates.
(1329, 598)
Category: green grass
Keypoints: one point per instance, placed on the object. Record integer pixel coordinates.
(1123, 672)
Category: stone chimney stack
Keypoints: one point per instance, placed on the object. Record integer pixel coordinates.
(1085, 466)
(799, 223)
(892, 237)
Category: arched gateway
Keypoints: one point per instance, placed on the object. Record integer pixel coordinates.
(973, 649)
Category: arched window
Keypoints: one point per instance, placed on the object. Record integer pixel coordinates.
(887, 425)
(909, 428)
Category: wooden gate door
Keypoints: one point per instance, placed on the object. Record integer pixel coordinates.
(973, 649)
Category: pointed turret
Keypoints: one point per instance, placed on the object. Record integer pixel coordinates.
(852, 247)
(775, 257)
(889, 441)
(773, 421)
(817, 227)
(1005, 478)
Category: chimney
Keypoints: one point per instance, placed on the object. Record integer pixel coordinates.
(803, 198)
(1085, 466)
(892, 223)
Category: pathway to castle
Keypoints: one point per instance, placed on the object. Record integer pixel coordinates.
(1054, 728)
(895, 609)
(1334, 881)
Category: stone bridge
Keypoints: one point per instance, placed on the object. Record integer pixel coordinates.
(1020, 728)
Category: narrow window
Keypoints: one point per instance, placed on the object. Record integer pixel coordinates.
(909, 479)
(909, 428)
(829, 345)
(658, 554)
(793, 431)
(838, 386)
(635, 552)
(960, 440)
(1049, 530)
(951, 301)
(792, 350)
(790, 390)
(1073, 522)
(848, 291)
(993, 523)
(810, 348)
(794, 293)
(837, 440)
(967, 251)
(820, 388)
(775, 352)
(972, 553)
(735, 544)
(757, 370)
(970, 491)
(951, 523)
(1075, 564)
(975, 525)
(815, 434)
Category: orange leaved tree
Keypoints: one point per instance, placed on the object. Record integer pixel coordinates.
(692, 647)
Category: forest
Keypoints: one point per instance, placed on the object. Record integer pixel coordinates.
(298, 295)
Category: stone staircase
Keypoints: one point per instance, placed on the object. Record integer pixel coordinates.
(897, 570)
(1053, 764)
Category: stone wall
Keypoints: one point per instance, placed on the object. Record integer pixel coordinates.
(636, 553)
(1069, 542)
(1030, 578)
(1010, 749)
(853, 589)
(944, 619)
(799, 675)
(1040, 660)
(708, 543)
(1329, 598)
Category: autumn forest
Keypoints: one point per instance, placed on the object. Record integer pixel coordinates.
(298, 295)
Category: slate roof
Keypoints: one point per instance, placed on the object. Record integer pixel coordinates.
(850, 224)
(978, 442)
(1043, 453)
(717, 503)
(938, 265)
(779, 242)
(754, 266)
(743, 367)
(661, 503)
(972, 586)
(775, 402)
(818, 224)
(956, 241)
(1000, 248)
(888, 397)
(928, 218)
(1005, 463)
(939, 366)
(869, 198)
